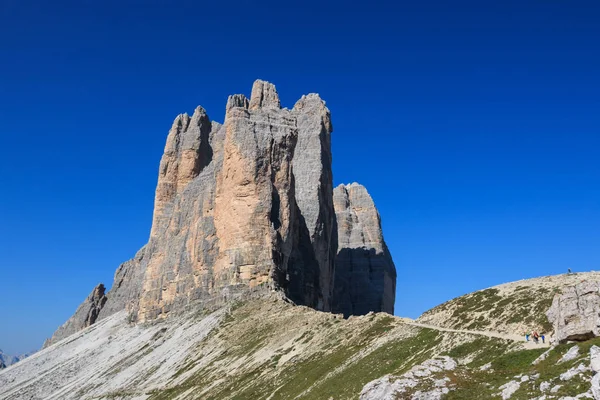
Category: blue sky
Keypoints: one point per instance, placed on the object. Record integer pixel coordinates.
(474, 126)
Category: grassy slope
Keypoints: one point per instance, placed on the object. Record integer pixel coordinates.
(300, 355)
(515, 311)
(268, 349)
(284, 355)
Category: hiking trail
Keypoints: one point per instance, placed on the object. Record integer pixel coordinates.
(515, 338)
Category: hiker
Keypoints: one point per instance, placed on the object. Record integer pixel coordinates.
(543, 338)
(527, 336)
(569, 271)
(536, 337)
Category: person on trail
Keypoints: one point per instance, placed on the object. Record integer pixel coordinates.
(536, 337)
(543, 338)
(527, 336)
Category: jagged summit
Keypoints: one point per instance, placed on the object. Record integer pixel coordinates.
(264, 95)
(249, 205)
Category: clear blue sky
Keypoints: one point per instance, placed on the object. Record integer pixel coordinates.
(475, 127)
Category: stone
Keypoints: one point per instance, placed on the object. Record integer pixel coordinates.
(575, 313)
(248, 206)
(314, 187)
(264, 96)
(186, 153)
(596, 386)
(555, 388)
(390, 388)
(595, 358)
(365, 275)
(85, 315)
(570, 355)
(508, 389)
(572, 372)
(544, 386)
(542, 357)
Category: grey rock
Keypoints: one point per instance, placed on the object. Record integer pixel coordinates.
(365, 274)
(542, 357)
(249, 205)
(595, 358)
(575, 313)
(596, 386)
(555, 388)
(572, 372)
(571, 354)
(508, 389)
(544, 386)
(390, 388)
(85, 315)
(313, 181)
(264, 96)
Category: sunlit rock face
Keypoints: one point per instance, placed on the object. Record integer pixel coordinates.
(575, 312)
(249, 204)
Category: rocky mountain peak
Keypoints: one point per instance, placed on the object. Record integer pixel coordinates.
(249, 205)
(237, 100)
(264, 95)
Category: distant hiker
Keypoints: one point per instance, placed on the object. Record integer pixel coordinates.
(527, 336)
(543, 338)
(536, 337)
(569, 271)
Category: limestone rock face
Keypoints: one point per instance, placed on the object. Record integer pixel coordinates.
(187, 152)
(365, 275)
(575, 313)
(255, 205)
(87, 313)
(248, 205)
(314, 187)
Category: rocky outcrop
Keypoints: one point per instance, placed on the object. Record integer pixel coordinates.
(365, 275)
(575, 313)
(85, 315)
(187, 152)
(248, 205)
(425, 374)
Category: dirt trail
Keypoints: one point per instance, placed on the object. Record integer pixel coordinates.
(515, 338)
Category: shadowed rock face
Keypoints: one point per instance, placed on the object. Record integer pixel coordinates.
(365, 275)
(575, 313)
(243, 205)
(87, 313)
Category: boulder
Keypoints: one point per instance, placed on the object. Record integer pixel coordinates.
(575, 313)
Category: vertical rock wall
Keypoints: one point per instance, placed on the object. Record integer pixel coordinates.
(314, 188)
(365, 275)
(250, 204)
